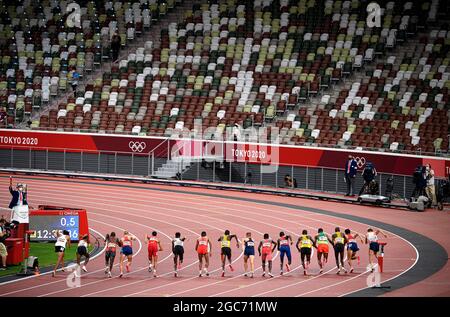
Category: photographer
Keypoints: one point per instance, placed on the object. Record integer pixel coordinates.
(420, 182)
(430, 188)
(3, 236)
(369, 173)
(287, 181)
(290, 182)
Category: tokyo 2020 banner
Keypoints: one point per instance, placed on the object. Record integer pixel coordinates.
(268, 155)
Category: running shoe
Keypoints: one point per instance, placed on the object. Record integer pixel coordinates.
(231, 268)
(154, 274)
(223, 273)
(251, 275)
(304, 272)
(63, 270)
(288, 268)
(351, 270)
(109, 274)
(121, 274)
(320, 271)
(53, 274)
(207, 274)
(175, 274)
(270, 274)
(264, 274)
(106, 270)
(150, 269)
(281, 272)
(84, 268)
(200, 274)
(245, 275)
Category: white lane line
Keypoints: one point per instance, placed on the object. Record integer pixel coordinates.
(332, 285)
(201, 202)
(293, 284)
(100, 270)
(415, 262)
(58, 281)
(257, 283)
(47, 273)
(316, 220)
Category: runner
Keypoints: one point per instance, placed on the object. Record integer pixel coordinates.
(374, 246)
(127, 251)
(249, 253)
(352, 247)
(154, 245)
(203, 248)
(178, 252)
(82, 250)
(321, 243)
(339, 241)
(225, 243)
(306, 243)
(268, 246)
(62, 240)
(112, 242)
(283, 245)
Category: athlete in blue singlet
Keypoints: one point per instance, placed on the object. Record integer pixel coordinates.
(249, 253)
(283, 245)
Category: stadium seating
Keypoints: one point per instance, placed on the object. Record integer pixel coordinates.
(37, 48)
(312, 69)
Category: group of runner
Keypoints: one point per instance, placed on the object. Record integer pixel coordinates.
(340, 242)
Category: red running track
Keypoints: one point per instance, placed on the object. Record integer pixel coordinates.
(134, 208)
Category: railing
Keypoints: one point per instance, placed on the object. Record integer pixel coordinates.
(145, 164)
(418, 151)
(158, 152)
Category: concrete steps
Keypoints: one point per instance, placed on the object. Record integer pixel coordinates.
(180, 164)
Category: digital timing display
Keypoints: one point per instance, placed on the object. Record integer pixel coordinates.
(45, 227)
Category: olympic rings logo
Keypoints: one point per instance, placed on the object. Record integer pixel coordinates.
(137, 146)
(360, 161)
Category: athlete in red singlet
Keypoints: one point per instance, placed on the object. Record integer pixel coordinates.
(127, 251)
(267, 246)
(203, 248)
(154, 245)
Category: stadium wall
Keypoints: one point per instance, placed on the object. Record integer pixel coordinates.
(314, 168)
